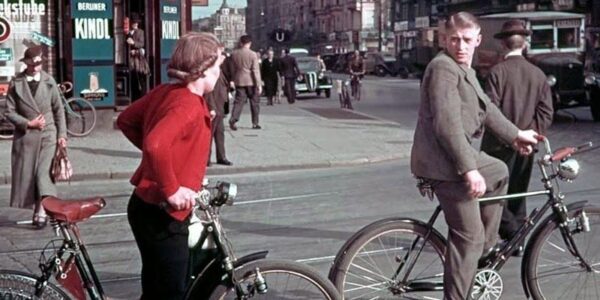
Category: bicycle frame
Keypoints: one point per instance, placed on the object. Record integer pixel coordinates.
(497, 257)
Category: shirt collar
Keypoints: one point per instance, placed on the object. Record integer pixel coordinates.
(516, 52)
(35, 77)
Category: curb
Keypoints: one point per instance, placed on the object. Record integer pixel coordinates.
(120, 175)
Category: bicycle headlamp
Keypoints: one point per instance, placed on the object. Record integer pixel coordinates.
(226, 193)
(568, 169)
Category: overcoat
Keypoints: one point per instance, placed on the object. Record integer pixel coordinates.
(33, 149)
(453, 114)
(269, 73)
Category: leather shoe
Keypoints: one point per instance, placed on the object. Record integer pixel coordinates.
(232, 126)
(224, 162)
(256, 127)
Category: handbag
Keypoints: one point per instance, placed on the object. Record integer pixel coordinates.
(61, 166)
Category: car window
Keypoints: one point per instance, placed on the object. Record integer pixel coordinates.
(542, 39)
(308, 65)
(568, 37)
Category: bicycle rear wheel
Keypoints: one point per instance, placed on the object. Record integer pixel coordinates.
(284, 280)
(15, 285)
(81, 116)
(6, 129)
(369, 264)
(553, 272)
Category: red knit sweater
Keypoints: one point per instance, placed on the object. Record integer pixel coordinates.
(171, 126)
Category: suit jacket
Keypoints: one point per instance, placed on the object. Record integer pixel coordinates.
(454, 111)
(217, 98)
(138, 38)
(289, 67)
(246, 68)
(520, 90)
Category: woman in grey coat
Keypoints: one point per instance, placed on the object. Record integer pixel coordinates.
(35, 108)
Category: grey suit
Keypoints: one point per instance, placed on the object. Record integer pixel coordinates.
(33, 149)
(453, 114)
(246, 77)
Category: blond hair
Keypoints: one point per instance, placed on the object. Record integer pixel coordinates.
(461, 20)
(194, 53)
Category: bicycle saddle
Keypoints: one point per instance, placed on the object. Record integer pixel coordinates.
(72, 210)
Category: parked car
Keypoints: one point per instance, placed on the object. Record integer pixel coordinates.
(381, 64)
(312, 78)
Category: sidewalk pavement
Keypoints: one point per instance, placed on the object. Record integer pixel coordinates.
(303, 135)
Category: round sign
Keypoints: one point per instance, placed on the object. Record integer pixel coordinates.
(5, 29)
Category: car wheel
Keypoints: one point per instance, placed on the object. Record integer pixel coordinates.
(380, 71)
(595, 103)
(327, 93)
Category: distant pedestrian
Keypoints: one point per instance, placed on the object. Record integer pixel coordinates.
(171, 125)
(217, 99)
(34, 107)
(322, 66)
(138, 65)
(248, 83)
(269, 71)
(520, 89)
(289, 71)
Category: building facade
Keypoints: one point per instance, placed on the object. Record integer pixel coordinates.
(229, 25)
(84, 42)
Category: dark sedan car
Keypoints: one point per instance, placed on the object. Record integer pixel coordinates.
(312, 78)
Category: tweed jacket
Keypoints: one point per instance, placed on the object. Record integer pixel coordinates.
(453, 113)
(246, 68)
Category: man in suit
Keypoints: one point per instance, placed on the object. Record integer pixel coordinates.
(138, 65)
(289, 71)
(216, 103)
(453, 114)
(247, 80)
(520, 90)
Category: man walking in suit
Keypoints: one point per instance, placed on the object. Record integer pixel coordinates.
(290, 71)
(216, 103)
(453, 114)
(248, 84)
(521, 92)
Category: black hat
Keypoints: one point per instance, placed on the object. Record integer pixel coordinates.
(33, 56)
(135, 18)
(512, 27)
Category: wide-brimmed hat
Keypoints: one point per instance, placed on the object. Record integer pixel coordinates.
(512, 27)
(33, 56)
(135, 18)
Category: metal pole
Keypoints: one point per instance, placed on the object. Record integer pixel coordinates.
(380, 25)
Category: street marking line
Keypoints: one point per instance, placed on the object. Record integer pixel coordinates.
(100, 216)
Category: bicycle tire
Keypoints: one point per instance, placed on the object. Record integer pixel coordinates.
(15, 285)
(6, 130)
(312, 285)
(362, 270)
(80, 115)
(552, 272)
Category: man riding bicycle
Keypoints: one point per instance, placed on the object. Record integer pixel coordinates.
(356, 68)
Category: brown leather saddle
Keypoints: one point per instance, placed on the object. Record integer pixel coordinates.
(72, 211)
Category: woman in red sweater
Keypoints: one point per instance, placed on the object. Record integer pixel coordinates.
(171, 125)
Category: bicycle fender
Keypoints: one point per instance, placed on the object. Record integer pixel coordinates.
(362, 231)
(526, 256)
(250, 257)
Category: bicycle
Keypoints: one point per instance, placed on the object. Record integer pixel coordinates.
(403, 257)
(344, 94)
(217, 272)
(355, 84)
(80, 115)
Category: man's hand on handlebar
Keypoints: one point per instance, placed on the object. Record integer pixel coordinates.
(525, 141)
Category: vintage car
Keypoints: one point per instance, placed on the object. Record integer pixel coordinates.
(312, 78)
(556, 46)
(380, 64)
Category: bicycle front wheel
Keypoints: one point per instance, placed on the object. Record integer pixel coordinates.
(80, 115)
(553, 272)
(391, 259)
(283, 280)
(22, 286)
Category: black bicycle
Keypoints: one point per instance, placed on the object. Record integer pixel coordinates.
(403, 258)
(218, 273)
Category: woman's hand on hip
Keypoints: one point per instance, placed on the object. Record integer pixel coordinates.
(183, 198)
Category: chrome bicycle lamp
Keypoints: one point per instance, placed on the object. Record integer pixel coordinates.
(568, 169)
(226, 193)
